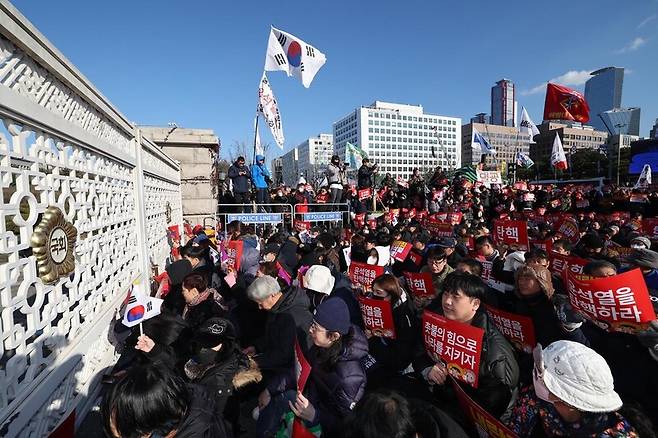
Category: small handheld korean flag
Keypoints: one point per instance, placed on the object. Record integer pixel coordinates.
(140, 308)
(479, 140)
(527, 126)
(286, 52)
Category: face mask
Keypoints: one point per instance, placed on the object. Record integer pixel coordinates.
(206, 356)
(372, 260)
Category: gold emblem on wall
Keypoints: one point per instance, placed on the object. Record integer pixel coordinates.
(52, 243)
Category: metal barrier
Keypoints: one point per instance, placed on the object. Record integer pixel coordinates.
(323, 213)
(270, 214)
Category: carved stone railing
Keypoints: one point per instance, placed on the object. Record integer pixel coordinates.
(62, 144)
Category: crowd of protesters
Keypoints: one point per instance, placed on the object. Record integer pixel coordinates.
(220, 359)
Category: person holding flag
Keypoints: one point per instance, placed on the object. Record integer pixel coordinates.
(260, 176)
(336, 179)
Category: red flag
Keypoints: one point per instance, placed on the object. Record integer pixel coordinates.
(563, 103)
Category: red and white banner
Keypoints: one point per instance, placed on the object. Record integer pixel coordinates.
(365, 194)
(518, 329)
(568, 228)
(400, 250)
(617, 303)
(377, 317)
(360, 219)
(458, 345)
(486, 425)
(234, 254)
(438, 228)
(420, 284)
(512, 233)
(302, 367)
(363, 274)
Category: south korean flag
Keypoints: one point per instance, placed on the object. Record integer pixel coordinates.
(288, 53)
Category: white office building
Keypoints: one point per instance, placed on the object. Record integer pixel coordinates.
(314, 155)
(400, 137)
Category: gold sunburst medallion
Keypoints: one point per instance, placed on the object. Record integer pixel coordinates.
(52, 244)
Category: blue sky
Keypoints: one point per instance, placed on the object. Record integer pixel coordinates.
(198, 63)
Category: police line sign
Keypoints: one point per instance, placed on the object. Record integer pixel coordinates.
(255, 218)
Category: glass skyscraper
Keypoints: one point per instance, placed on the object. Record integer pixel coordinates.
(503, 105)
(622, 121)
(603, 93)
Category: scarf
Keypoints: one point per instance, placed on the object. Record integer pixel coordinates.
(198, 299)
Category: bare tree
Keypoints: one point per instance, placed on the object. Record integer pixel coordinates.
(240, 149)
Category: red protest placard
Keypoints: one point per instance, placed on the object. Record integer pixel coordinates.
(485, 424)
(560, 264)
(546, 245)
(365, 194)
(459, 345)
(455, 218)
(363, 274)
(512, 233)
(174, 232)
(302, 367)
(377, 316)
(416, 258)
(420, 284)
(521, 185)
(360, 219)
(234, 254)
(617, 303)
(650, 227)
(400, 250)
(518, 329)
(437, 228)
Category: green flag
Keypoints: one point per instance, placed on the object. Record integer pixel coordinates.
(354, 155)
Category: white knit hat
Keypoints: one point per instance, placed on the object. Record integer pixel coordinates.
(578, 376)
(318, 278)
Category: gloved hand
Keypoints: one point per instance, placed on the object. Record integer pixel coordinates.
(569, 318)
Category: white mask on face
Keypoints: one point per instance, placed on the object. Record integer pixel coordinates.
(372, 260)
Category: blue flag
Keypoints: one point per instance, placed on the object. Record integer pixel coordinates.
(484, 145)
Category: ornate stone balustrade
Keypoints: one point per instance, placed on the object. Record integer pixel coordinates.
(62, 144)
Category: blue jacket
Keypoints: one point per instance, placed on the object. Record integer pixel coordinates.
(259, 172)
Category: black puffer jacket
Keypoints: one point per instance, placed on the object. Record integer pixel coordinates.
(499, 372)
(334, 391)
(201, 420)
(288, 319)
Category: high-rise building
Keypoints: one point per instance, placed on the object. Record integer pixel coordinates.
(290, 168)
(622, 121)
(603, 92)
(481, 118)
(400, 137)
(654, 131)
(574, 136)
(314, 155)
(503, 105)
(507, 140)
(277, 171)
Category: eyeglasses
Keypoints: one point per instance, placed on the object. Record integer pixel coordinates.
(437, 262)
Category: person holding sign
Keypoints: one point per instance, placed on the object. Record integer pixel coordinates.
(533, 297)
(391, 356)
(337, 380)
(437, 264)
(462, 301)
(572, 395)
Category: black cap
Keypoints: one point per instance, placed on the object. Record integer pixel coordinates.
(214, 332)
(446, 242)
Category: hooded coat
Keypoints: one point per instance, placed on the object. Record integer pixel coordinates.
(288, 319)
(260, 173)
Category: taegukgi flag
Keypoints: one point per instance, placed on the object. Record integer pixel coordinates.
(270, 109)
(140, 308)
(558, 158)
(527, 126)
(286, 52)
(478, 139)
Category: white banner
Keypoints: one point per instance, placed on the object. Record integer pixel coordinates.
(270, 109)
